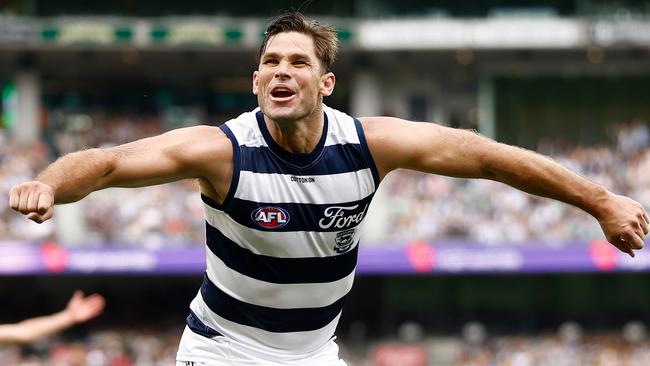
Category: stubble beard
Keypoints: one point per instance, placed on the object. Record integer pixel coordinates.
(298, 113)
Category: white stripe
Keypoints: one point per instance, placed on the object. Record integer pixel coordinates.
(246, 130)
(263, 187)
(288, 244)
(274, 295)
(341, 128)
(292, 342)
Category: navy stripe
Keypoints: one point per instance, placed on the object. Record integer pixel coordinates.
(280, 270)
(235, 172)
(269, 319)
(366, 152)
(301, 216)
(197, 326)
(339, 158)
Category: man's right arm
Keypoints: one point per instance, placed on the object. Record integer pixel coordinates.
(194, 152)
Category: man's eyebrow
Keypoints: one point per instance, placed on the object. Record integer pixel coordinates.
(270, 55)
(291, 56)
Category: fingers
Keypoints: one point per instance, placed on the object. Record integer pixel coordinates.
(44, 203)
(92, 306)
(14, 198)
(33, 199)
(82, 308)
(96, 301)
(644, 226)
(633, 242)
(38, 218)
(78, 295)
(635, 238)
(630, 240)
(624, 247)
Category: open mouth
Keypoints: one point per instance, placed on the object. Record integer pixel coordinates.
(282, 93)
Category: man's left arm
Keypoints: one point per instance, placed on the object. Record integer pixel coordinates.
(431, 148)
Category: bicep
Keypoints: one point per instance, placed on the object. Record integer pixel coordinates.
(175, 155)
(426, 147)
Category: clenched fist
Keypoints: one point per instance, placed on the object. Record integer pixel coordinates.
(624, 222)
(34, 199)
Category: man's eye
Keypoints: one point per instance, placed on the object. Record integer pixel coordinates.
(271, 62)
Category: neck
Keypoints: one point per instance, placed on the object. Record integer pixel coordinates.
(297, 136)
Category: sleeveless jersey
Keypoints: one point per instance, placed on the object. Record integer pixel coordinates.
(282, 247)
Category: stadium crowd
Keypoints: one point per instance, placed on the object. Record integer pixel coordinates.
(156, 347)
(423, 207)
(143, 347)
(595, 349)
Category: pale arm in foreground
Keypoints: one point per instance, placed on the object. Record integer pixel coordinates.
(431, 148)
(79, 309)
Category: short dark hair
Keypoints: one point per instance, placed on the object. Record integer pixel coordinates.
(326, 42)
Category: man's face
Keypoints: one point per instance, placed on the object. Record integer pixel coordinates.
(289, 81)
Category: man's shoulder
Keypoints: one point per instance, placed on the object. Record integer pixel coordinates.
(198, 138)
(245, 118)
(338, 114)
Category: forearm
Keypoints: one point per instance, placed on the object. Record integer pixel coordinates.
(31, 329)
(540, 175)
(74, 176)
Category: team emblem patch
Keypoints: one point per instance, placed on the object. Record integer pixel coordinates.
(270, 217)
(344, 240)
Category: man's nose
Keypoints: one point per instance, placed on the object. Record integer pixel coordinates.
(282, 71)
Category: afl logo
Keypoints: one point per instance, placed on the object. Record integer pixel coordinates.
(270, 217)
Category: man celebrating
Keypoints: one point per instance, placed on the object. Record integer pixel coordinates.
(285, 188)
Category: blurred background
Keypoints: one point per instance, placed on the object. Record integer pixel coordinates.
(451, 272)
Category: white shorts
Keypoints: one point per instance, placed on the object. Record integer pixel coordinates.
(197, 350)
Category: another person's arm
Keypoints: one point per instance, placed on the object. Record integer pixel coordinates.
(432, 148)
(79, 309)
(202, 152)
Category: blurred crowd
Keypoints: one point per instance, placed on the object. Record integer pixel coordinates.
(422, 207)
(596, 350)
(164, 215)
(430, 207)
(157, 347)
(17, 165)
(142, 347)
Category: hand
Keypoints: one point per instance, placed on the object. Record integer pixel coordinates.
(625, 223)
(34, 199)
(82, 308)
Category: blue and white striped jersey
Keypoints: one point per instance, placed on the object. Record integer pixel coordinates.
(282, 248)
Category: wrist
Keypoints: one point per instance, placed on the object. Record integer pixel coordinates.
(596, 201)
(69, 317)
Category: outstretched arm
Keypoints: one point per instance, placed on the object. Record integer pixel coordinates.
(195, 152)
(79, 309)
(432, 148)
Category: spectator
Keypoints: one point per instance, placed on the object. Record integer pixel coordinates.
(80, 309)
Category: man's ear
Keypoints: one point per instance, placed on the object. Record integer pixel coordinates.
(256, 82)
(327, 82)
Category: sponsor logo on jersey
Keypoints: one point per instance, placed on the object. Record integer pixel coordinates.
(270, 217)
(344, 240)
(342, 217)
(303, 179)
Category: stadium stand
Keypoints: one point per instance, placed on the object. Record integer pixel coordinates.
(567, 78)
